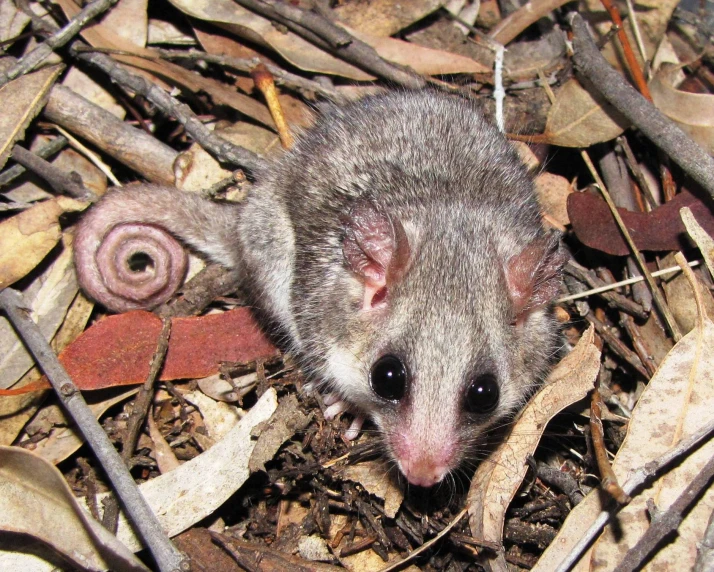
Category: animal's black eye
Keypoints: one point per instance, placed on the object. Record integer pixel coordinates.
(482, 394)
(388, 378)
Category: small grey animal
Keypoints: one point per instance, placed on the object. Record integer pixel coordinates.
(399, 247)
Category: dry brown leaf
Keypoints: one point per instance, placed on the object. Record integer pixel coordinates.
(16, 411)
(700, 236)
(304, 55)
(129, 19)
(680, 299)
(48, 298)
(35, 500)
(374, 477)
(287, 420)
(199, 486)
(64, 439)
(22, 99)
(26, 238)
(12, 20)
(553, 191)
(580, 118)
(693, 112)
(497, 480)
(159, 71)
(79, 82)
(196, 170)
(675, 403)
(163, 454)
(167, 33)
(218, 417)
(384, 17)
(426, 61)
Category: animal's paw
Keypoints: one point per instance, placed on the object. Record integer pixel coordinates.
(335, 406)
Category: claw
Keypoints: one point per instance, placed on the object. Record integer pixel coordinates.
(335, 409)
(353, 431)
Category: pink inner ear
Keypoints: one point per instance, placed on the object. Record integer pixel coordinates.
(375, 248)
(533, 276)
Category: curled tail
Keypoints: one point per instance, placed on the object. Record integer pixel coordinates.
(126, 250)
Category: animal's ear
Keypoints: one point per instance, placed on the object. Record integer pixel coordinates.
(533, 276)
(375, 247)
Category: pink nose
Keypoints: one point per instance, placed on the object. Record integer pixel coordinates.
(423, 472)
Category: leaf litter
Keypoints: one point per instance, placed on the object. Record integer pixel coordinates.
(230, 419)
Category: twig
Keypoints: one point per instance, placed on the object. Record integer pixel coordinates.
(328, 36)
(637, 479)
(636, 171)
(621, 283)
(638, 343)
(656, 294)
(664, 133)
(66, 183)
(265, 82)
(222, 149)
(142, 402)
(608, 479)
(30, 61)
(144, 520)
(617, 346)
(414, 553)
(47, 150)
(638, 36)
(666, 522)
(705, 558)
(614, 299)
(282, 77)
(632, 64)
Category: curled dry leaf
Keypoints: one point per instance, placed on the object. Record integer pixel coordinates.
(580, 118)
(22, 99)
(700, 236)
(26, 238)
(659, 229)
(676, 402)
(35, 500)
(678, 290)
(497, 479)
(693, 112)
(163, 454)
(199, 486)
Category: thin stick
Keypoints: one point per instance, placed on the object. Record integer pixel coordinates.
(328, 36)
(622, 283)
(35, 57)
(167, 557)
(663, 132)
